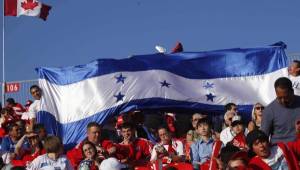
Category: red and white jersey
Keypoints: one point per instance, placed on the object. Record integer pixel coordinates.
(18, 109)
(176, 147)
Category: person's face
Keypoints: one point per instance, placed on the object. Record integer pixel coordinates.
(164, 136)
(127, 133)
(36, 93)
(203, 129)
(195, 119)
(89, 151)
(261, 148)
(236, 163)
(234, 108)
(189, 136)
(228, 119)
(258, 110)
(33, 140)
(284, 96)
(239, 128)
(16, 132)
(293, 69)
(297, 126)
(10, 105)
(42, 133)
(93, 134)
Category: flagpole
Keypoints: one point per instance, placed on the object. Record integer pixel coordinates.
(3, 59)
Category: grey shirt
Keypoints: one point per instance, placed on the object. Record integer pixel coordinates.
(279, 121)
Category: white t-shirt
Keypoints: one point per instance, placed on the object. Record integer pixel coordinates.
(296, 84)
(226, 135)
(33, 109)
(176, 144)
(43, 162)
(276, 160)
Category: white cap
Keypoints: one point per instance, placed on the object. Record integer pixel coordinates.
(236, 118)
(110, 164)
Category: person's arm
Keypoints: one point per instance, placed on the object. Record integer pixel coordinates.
(68, 165)
(267, 121)
(180, 154)
(5, 145)
(18, 149)
(153, 155)
(251, 126)
(195, 158)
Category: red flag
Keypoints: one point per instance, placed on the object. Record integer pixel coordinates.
(26, 7)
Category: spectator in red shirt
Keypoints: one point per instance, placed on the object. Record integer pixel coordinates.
(89, 152)
(104, 147)
(27, 155)
(168, 149)
(17, 107)
(135, 151)
(295, 145)
(269, 156)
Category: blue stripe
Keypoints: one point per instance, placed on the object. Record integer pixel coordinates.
(201, 65)
(73, 132)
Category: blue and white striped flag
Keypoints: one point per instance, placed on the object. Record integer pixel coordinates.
(74, 96)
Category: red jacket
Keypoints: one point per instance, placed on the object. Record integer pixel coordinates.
(136, 152)
(75, 155)
(258, 164)
(27, 158)
(295, 147)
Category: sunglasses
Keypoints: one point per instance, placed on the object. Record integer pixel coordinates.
(260, 108)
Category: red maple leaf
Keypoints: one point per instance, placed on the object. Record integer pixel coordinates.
(29, 4)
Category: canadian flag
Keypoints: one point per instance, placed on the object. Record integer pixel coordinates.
(26, 7)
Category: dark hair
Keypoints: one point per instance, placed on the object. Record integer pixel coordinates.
(86, 142)
(127, 125)
(227, 152)
(256, 135)
(53, 144)
(11, 126)
(93, 124)
(283, 83)
(10, 101)
(37, 127)
(5, 110)
(204, 121)
(297, 62)
(34, 86)
(228, 106)
(163, 127)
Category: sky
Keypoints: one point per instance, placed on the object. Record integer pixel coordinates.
(78, 32)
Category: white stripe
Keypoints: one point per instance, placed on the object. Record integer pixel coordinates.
(22, 11)
(80, 100)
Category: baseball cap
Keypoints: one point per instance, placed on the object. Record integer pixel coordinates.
(236, 120)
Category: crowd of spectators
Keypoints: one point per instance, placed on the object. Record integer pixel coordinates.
(271, 140)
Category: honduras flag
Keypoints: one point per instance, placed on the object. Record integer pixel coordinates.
(200, 81)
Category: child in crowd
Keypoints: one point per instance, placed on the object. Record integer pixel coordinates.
(205, 148)
(89, 152)
(53, 159)
(233, 158)
(168, 149)
(269, 157)
(41, 131)
(238, 131)
(27, 155)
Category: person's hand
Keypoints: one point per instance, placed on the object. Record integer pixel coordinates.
(29, 135)
(112, 150)
(219, 164)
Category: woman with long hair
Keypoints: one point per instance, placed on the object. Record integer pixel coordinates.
(255, 123)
